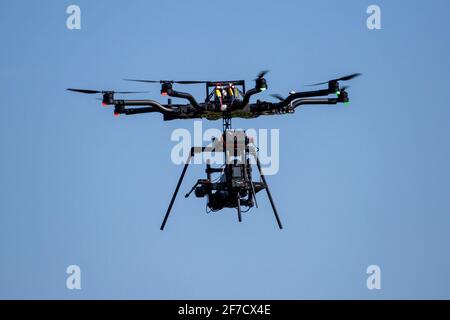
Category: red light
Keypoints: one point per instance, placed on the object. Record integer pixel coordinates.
(116, 114)
(104, 104)
(164, 93)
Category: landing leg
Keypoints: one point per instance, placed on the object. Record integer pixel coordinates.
(268, 193)
(254, 193)
(239, 207)
(176, 191)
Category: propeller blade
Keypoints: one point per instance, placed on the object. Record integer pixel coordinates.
(146, 81)
(168, 81)
(262, 74)
(277, 96)
(349, 77)
(190, 82)
(130, 92)
(85, 91)
(316, 84)
(345, 78)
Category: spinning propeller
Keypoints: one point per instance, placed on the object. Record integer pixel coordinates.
(168, 81)
(262, 74)
(108, 96)
(87, 91)
(345, 78)
(261, 83)
(277, 96)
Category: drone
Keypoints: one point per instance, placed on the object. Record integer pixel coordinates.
(234, 188)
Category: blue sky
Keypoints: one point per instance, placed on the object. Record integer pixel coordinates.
(362, 184)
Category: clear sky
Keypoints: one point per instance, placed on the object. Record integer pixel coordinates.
(362, 184)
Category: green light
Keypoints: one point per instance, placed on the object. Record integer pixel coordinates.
(347, 103)
(263, 89)
(338, 92)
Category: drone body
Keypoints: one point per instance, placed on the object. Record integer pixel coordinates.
(225, 100)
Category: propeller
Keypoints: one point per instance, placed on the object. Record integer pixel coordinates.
(262, 74)
(345, 78)
(277, 96)
(87, 91)
(344, 88)
(261, 83)
(168, 81)
(108, 96)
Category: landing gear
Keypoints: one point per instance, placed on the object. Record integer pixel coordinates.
(239, 207)
(235, 188)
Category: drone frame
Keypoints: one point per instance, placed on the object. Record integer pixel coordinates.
(214, 110)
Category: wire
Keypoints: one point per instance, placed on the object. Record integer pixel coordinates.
(246, 210)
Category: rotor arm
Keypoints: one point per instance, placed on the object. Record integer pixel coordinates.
(265, 107)
(300, 95)
(300, 102)
(333, 88)
(341, 98)
(184, 95)
(132, 111)
(154, 106)
(248, 94)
